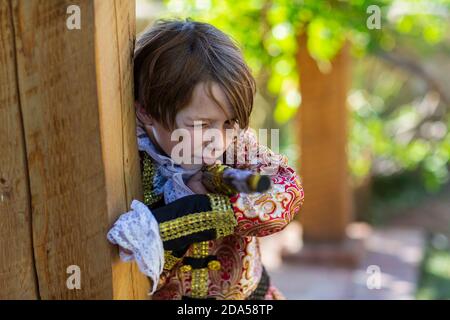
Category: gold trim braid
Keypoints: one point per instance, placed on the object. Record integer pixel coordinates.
(149, 171)
(199, 284)
(227, 221)
(170, 260)
(221, 218)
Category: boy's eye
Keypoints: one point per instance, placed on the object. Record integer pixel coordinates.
(198, 124)
(231, 123)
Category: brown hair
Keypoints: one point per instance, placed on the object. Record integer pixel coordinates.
(172, 56)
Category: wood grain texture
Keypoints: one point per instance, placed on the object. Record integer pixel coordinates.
(323, 139)
(76, 117)
(17, 274)
(115, 32)
(126, 35)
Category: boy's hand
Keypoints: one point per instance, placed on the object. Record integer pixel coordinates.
(196, 185)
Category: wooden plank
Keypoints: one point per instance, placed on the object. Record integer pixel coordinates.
(126, 34)
(323, 139)
(115, 34)
(17, 274)
(70, 90)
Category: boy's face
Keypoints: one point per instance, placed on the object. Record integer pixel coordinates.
(209, 128)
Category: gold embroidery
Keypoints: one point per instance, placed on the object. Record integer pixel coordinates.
(185, 268)
(199, 285)
(170, 260)
(222, 204)
(220, 218)
(200, 249)
(224, 221)
(149, 171)
(186, 225)
(214, 265)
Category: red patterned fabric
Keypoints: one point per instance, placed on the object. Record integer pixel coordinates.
(257, 215)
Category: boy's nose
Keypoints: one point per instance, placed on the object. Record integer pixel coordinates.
(217, 144)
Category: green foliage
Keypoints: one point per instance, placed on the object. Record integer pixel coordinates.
(387, 135)
(393, 196)
(435, 276)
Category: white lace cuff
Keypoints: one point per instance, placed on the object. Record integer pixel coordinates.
(138, 232)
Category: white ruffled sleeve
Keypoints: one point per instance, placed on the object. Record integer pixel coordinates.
(138, 232)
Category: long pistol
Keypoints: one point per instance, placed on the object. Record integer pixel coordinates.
(220, 178)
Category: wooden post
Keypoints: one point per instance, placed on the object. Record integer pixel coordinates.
(17, 274)
(73, 163)
(323, 140)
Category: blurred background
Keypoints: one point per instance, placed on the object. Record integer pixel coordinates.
(360, 91)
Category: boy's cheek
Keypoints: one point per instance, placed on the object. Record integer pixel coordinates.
(200, 149)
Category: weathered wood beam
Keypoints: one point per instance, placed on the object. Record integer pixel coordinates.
(17, 273)
(75, 97)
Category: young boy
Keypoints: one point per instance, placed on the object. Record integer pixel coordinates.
(190, 77)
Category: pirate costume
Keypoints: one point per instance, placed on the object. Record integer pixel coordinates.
(196, 246)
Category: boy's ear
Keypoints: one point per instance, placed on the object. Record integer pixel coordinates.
(142, 114)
